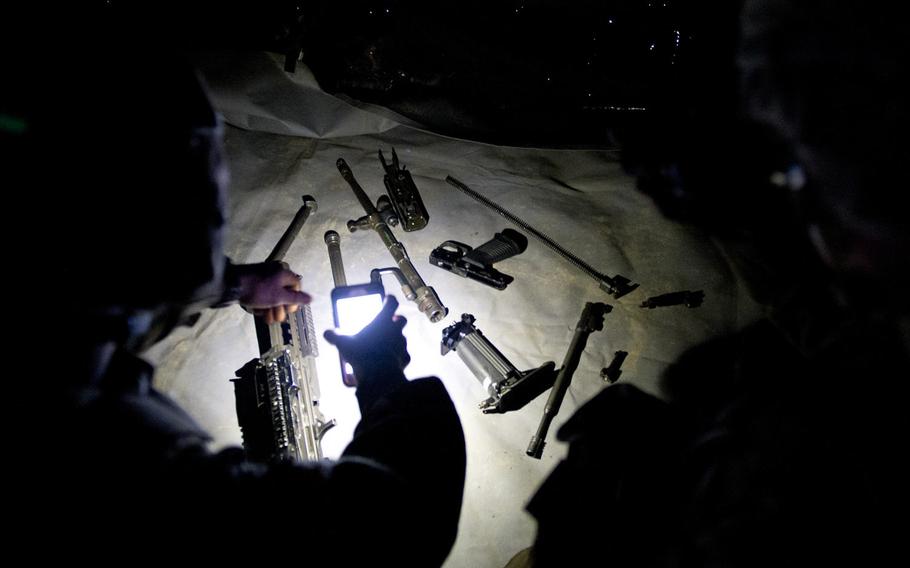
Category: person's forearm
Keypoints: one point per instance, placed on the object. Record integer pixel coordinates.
(413, 429)
(380, 379)
(414, 432)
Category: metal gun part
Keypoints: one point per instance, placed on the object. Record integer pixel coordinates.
(385, 210)
(592, 319)
(270, 394)
(269, 335)
(477, 264)
(278, 394)
(333, 243)
(690, 299)
(284, 243)
(304, 351)
(406, 289)
(425, 297)
(616, 286)
(404, 195)
(507, 387)
(264, 390)
(611, 373)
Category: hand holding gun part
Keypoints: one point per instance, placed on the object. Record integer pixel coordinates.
(277, 395)
(690, 299)
(507, 387)
(404, 195)
(477, 264)
(616, 286)
(592, 319)
(611, 374)
(425, 297)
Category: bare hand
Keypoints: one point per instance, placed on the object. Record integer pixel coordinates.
(270, 290)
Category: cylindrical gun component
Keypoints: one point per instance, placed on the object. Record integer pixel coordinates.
(425, 297)
(616, 286)
(270, 335)
(483, 359)
(592, 319)
(359, 193)
(477, 344)
(377, 273)
(284, 243)
(509, 388)
(333, 242)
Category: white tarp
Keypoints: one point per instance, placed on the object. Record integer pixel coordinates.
(582, 199)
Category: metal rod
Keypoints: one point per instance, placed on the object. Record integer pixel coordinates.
(308, 207)
(361, 195)
(333, 242)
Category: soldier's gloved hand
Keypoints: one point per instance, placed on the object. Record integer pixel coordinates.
(379, 353)
(269, 289)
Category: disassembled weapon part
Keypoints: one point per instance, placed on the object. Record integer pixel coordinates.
(592, 319)
(425, 297)
(477, 264)
(277, 395)
(611, 374)
(616, 286)
(507, 387)
(404, 195)
(333, 243)
(690, 299)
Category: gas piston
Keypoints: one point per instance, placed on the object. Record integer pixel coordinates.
(415, 289)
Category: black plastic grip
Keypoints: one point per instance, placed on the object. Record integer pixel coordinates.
(503, 245)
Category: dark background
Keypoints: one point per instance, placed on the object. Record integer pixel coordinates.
(519, 71)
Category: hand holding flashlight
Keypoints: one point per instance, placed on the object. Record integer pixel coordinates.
(378, 353)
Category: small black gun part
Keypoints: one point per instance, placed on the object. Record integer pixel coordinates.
(611, 374)
(404, 195)
(690, 299)
(477, 264)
